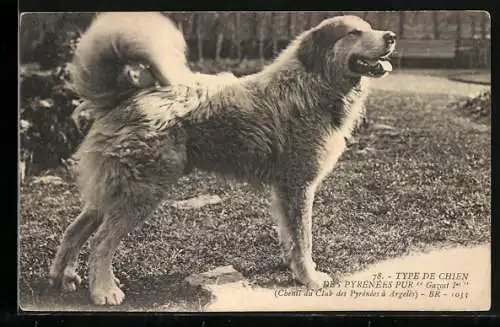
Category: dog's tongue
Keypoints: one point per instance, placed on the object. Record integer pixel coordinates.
(382, 65)
(379, 68)
(386, 65)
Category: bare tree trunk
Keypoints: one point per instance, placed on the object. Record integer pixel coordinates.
(199, 36)
(274, 34)
(486, 54)
(219, 27)
(291, 27)
(380, 20)
(309, 21)
(180, 22)
(476, 59)
(483, 25)
(236, 35)
(435, 25)
(402, 19)
(187, 26)
(255, 33)
(260, 23)
(218, 46)
(458, 43)
(41, 35)
(473, 25)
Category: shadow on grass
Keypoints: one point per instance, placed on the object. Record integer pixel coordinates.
(158, 293)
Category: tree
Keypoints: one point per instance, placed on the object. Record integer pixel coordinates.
(236, 35)
(274, 36)
(380, 19)
(309, 21)
(221, 20)
(484, 17)
(198, 22)
(260, 30)
(473, 25)
(179, 20)
(402, 18)
(458, 43)
(435, 25)
(291, 25)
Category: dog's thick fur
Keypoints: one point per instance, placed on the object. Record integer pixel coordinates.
(113, 53)
(285, 126)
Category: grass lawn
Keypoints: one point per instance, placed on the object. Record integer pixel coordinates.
(421, 185)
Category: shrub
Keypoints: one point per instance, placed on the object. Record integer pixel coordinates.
(48, 134)
(57, 47)
(477, 107)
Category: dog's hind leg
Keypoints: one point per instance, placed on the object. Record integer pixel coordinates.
(117, 223)
(63, 269)
(283, 236)
(293, 210)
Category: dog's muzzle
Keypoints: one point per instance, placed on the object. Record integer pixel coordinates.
(374, 67)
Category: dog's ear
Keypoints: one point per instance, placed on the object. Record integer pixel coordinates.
(317, 45)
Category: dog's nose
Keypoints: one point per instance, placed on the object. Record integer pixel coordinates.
(390, 38)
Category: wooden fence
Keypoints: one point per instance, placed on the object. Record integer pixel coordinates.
(263, 34)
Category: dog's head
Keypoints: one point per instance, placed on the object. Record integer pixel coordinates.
(347, 46)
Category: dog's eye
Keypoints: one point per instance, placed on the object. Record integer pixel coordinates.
(354, 32)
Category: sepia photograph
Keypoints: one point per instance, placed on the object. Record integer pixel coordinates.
(254, 161)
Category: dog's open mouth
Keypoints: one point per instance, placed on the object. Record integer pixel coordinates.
(370, 67)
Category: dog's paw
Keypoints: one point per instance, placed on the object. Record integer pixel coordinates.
(54, 280)
(117, 282)
(318, 279)
(54, 275)
(286, 262)
(70, 280)
(108, 295)
(315, 279)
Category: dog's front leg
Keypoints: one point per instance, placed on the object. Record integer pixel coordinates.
(292, 206)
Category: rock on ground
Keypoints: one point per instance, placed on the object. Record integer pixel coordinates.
(197, 202)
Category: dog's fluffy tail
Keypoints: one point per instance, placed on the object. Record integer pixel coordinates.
(115, 39)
